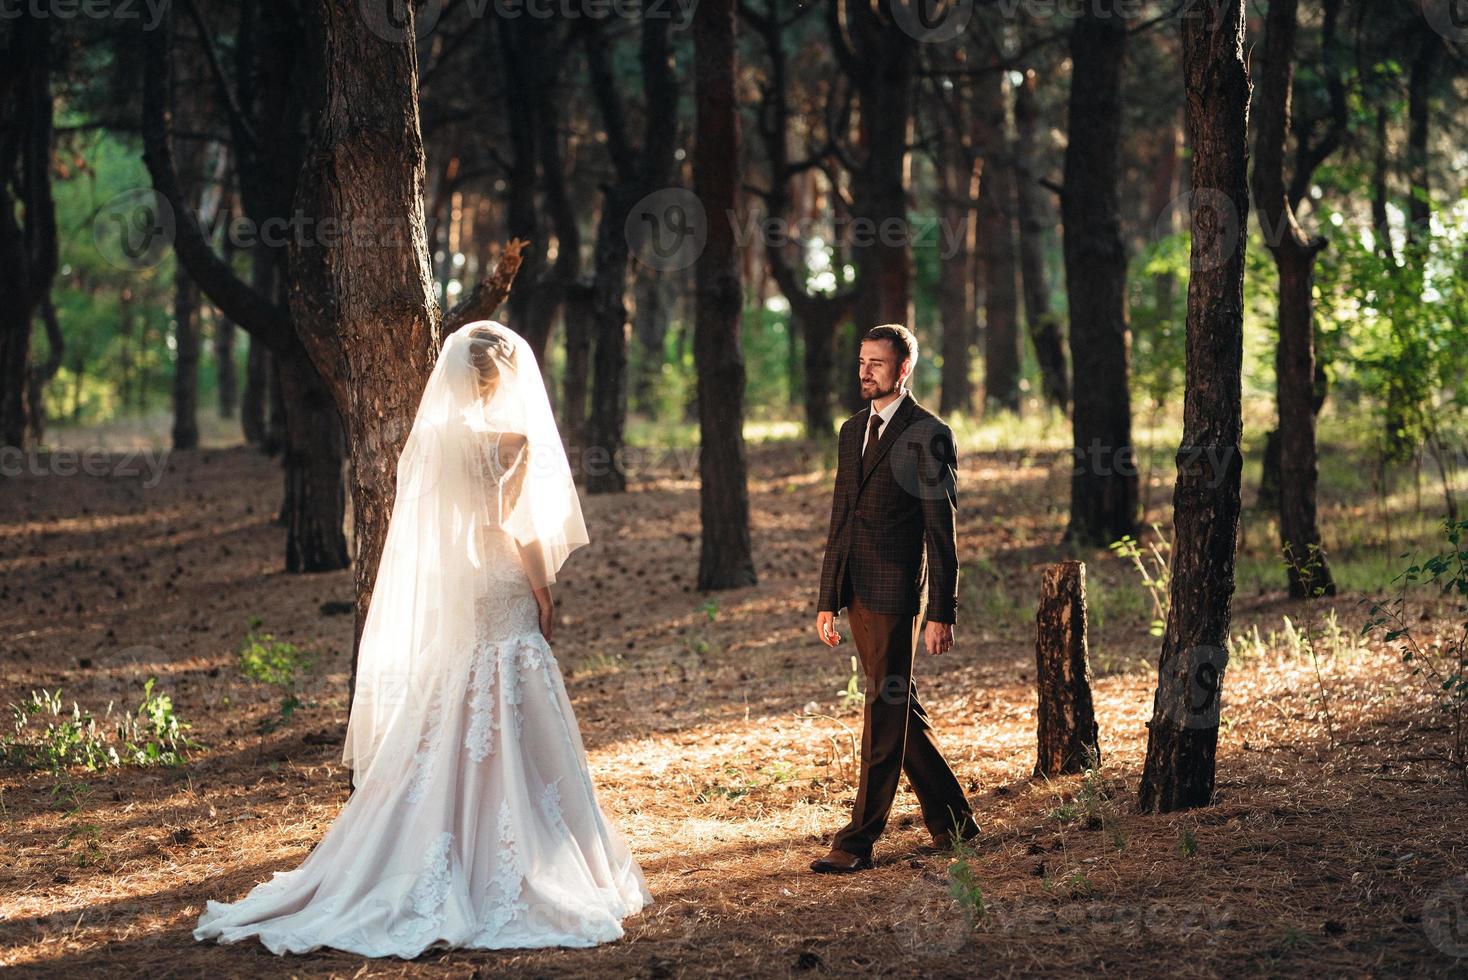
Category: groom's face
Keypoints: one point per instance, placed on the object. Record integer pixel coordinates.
(881, 371)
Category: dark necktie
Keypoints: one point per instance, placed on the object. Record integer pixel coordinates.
(870, 453)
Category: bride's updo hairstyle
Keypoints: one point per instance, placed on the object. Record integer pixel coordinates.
(489, 350)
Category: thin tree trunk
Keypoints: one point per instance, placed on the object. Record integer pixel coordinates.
(186, 362)
(28, 252)
(42, 374)
(638, 174)
(881, 62)
(650, 328)
(314, 498)
(1307, 572)
(252, 402)
(725, 556)
(1044, 325)
(956, 286)
(1183, 733)
(1104, 477)
(996, 245)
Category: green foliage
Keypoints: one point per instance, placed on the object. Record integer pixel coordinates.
(47, 736)
(1154, 578)
(1401, 318)
(278, 663)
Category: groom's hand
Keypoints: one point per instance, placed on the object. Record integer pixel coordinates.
(826, 628)
(939, 637)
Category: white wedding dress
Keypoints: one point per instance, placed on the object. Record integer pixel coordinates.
(492, 839)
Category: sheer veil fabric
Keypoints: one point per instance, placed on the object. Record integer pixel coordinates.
(474, 822)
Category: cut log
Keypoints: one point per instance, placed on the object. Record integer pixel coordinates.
(1066, 729)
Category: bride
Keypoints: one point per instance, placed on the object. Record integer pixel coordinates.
(473, 822)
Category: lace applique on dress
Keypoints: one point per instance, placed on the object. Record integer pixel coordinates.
(423, 764)
(503, 887)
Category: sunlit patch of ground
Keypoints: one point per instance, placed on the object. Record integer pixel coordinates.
(724, 750)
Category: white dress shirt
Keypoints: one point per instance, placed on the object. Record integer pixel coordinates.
(886, 416)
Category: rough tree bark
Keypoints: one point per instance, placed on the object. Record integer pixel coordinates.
(1308, 572)
(1183, 733)
(362, 297)
(1066, 732)
(726, 558)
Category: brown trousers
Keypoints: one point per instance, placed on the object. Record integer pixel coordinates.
(896, 737)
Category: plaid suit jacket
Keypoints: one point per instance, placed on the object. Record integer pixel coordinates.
(893, 527)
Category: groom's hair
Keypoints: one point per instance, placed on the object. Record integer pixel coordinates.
(904, 341)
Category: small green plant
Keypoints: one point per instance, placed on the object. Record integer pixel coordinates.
(851, 696)
(154, 734)
(68, 738)
(278, 663)
(1187, 844)
(47, 736)
(711, 609)
(1440, 661)
(963, 880)
(1155, 578)
(1304, 571)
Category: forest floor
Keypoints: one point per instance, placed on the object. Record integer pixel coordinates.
(723, 748)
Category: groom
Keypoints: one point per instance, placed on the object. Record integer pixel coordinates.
(892, 550)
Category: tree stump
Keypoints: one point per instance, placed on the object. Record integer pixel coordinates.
(1066, 729)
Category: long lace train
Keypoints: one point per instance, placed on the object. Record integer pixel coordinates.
(494, 840)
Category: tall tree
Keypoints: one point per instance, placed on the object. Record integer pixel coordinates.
(1030, 212)
(1103, 486)
(363, 301)
(1308, 571)
(638, 172)
(996, 243)
(1183, 733)
(880, 61)
(313, 506)
(725, 558)
(28, 251)
(815, 315)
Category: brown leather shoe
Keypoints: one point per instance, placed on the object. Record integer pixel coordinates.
(839, 862)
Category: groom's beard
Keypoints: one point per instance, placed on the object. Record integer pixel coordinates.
(873, 390)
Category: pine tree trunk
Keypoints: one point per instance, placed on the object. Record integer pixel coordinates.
(725, 557)
(1183, 733)
(1308, 572)
(186, 362)
(315, 499)
(366, 312)
(28, 251)
(1104, 477)
(996, 245)
(1044, 325)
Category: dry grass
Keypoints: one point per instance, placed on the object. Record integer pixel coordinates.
(721, 749)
